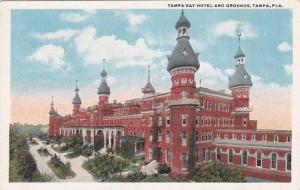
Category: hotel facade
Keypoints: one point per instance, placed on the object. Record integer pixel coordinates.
(163, 126)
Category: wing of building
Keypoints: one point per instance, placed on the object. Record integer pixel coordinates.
(162, 124)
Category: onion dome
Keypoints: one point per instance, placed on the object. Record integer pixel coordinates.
(148, 89)
(240, 78)
(52, 111)
(76, 99)
(183, 54)
(182, 21)
(103, 89)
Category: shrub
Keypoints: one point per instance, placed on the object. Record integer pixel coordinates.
(217, 172)
(87, 151)
(163, 168)
(104, 167)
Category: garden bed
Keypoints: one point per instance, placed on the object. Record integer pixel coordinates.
(61, 170)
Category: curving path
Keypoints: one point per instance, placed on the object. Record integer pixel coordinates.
(76, 164)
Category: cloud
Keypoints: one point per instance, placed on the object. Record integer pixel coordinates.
(271, 105)
(51, 55)
(117, 51)
(284, 47)
(134, 20)
(63, 34)
(288, 69)
(76, 17)
(230, 28)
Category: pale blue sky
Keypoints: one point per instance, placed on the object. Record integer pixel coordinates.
(150, 31)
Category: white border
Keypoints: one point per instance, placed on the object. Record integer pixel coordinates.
(5, 96)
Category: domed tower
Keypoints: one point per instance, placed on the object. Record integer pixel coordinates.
(76, 101)
(148, 90)
(240, 84)
(103, 89)
(183, 64)
(52, 131)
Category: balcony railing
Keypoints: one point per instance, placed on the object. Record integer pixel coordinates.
(183, 101)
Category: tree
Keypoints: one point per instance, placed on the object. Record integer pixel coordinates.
(217, 172)
(192, 157)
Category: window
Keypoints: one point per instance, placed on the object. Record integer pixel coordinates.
(202, 137)
(274, 161)
(288, 162)
(234, 136)
(264, 137)
(218, 135)
(253, 137)
(243, 136)
(218, 154)
(183, 119)
(183, 138)
(168, 121)
(288, 138)
(209, 154)
(258, 159)
(244, 157)
(167, 155)
(203, 154)
(275, 138)
(197, 121)
(230, 156)
(226, 136)
(197, 136)
(184, 161)
(196, 154)
(168, 137)
(244, 122)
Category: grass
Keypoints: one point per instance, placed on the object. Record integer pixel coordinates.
(60, 173)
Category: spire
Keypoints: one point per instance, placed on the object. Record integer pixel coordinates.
(103, 89)
(182, 21)
(149, 73)
(240, 77)
(76, 99)
(103, 72)
(239, 53)
(52, 111)
(148, 90)
(76, 88)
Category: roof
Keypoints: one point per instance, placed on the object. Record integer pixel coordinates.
(239, 53)
(132, 139)
(183, 55)
(148, 88)
(240, 77)
(103, 73)
(52, 111)
(182, 21)
(103, 88)
(76, 99)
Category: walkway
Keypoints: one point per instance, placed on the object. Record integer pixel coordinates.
(76, 164)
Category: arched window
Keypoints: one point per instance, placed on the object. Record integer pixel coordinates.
(273, 161)
(203, 154)
(244, 157)
(230, 156)
(258, 159)
(288, 162)
(218, 154)
(184, 161)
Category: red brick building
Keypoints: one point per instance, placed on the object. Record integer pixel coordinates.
(162, 124)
